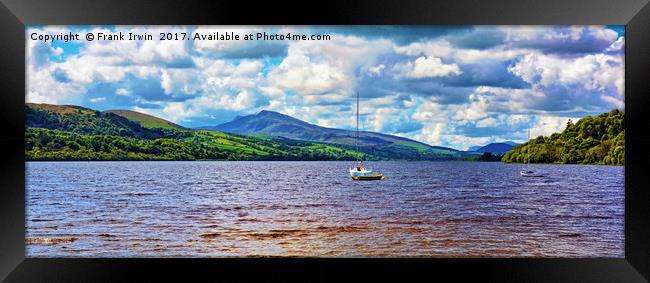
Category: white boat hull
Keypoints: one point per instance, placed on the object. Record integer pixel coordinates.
(532, 174)
(354, 172)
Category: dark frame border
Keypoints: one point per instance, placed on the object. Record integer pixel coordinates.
(15, 14)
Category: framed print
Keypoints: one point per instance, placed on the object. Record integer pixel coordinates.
(376, 138)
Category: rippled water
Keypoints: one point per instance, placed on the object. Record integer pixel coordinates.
(424, 209)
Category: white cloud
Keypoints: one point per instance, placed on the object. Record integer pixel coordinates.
(314, 68)
(242, 100)
(473, 56)
(461, 142)
(441, 134)
(489, 121)
(382, 117)
(428, 67)
(142, 53)
(517, 119)
(123, 92)
(614, 102)
(186, 81)
(593, 72)
(477, 109)
(177, 111)
(376, 70)
(547, 125)
(429, 111)
(431, 133)
(442, 48)
(434, 48)
(97, 99)
(106, 61)
(618, 45)
(41, 84)
(300, 74)
(560, 35)
(314, 113)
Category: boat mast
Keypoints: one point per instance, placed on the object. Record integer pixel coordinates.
(357, 140)
(528, 147)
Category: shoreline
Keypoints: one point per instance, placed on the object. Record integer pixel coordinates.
(225, 160)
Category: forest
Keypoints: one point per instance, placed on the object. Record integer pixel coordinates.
(591, 140)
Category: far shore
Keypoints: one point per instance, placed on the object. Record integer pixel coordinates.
(225, 160)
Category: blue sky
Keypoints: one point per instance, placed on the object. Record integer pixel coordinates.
(454, 86)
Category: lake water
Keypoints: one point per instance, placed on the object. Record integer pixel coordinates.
(225, 209)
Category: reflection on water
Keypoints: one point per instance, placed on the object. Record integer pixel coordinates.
(423, 209)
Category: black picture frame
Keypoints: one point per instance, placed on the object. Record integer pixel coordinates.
(634, 14)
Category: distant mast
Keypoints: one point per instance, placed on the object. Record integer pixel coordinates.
(528, 147)
(357, 140)
(528, 172)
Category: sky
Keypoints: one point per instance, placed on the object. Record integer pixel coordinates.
(452, 86)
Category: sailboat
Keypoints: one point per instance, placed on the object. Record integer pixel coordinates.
(528, 172)
(359, 172)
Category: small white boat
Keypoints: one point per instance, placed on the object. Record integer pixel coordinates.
(360, 172)
(529, 173)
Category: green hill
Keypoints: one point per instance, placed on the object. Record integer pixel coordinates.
(85, 121)
(66, 132)
(591, 140)
(145, 120)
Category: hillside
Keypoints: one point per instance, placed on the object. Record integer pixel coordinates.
(145, 120)
(271, 123)
(86, 121)
(64, 132)
(591, 140)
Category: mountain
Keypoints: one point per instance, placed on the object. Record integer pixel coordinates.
(145, 120)
(591, 140)
(511, 143)
(68, 132)
(272, 123)
(496, 148)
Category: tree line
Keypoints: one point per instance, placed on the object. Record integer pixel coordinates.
(591, 140)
